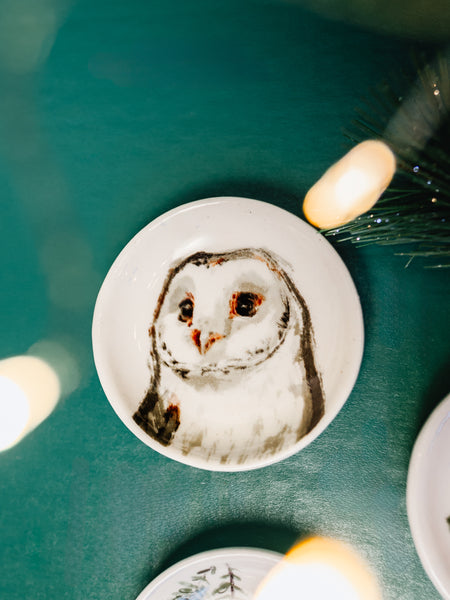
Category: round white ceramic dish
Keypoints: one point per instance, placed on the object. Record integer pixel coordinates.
(250, 399)
(213, 574)
(428, 497)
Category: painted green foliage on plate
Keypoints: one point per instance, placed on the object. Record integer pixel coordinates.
(227, 588)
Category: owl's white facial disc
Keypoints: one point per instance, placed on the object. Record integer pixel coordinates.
(221, 317)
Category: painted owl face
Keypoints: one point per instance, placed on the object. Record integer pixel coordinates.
(219, 314)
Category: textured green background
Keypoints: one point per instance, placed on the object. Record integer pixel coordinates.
(112, 112)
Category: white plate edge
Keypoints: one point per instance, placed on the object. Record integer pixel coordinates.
(413, 482)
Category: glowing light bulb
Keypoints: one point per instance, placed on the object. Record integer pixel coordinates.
(319, 569)
(14, 412)
(351, 186)
(29, 391)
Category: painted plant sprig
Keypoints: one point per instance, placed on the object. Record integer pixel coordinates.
(229, 588)
(197, 587)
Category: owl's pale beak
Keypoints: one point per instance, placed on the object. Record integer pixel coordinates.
(203, 340)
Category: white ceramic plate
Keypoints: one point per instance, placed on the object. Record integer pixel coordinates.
(212, 574)
(428, 497)
(227, 334)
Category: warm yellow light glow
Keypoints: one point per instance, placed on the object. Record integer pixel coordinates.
(319, 569)
(14, 412)
(351, 186)
(29, 391)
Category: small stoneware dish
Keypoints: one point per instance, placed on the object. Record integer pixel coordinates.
(428, 497)
(227, 334)
(226, 573)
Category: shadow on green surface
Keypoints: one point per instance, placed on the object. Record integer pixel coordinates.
(236, 535)
(243, 187)
(436, 392)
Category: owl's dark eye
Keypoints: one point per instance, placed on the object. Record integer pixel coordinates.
(245, 304)
(186, 313)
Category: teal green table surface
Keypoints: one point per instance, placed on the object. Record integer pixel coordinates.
(112, 113)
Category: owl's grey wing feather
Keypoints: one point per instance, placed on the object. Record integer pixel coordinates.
(155, 419)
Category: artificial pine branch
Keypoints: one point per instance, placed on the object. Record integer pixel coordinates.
(415, 209)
